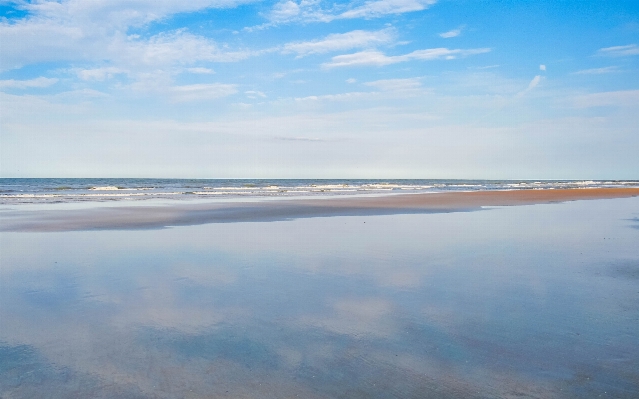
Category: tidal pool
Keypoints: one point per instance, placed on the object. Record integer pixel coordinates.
(532, 301)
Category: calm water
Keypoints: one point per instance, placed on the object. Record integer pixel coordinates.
(533, 301)
(23, 191)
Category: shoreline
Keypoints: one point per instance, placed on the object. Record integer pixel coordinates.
(158, 217)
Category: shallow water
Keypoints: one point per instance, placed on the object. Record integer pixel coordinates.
(527, 301)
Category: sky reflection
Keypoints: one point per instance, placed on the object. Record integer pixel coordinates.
(531, 300)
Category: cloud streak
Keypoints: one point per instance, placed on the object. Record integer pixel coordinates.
(451, 33)
(533, 83)
(26, 84)
(378, 8)
(619, 51)
(202, 92)
(117, 14)
(200, 70)
(597, 71)
(377, 58)
(401, 86)
(100, 74)
(340, 41)
(306, 11)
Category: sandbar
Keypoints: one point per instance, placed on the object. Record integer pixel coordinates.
(183, 214)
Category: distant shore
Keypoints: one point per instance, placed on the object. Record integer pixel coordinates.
(183, 214)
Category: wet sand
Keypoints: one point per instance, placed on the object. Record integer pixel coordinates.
(185, 214)
(512, 302)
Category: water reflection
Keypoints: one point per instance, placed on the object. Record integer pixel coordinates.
(537, 301)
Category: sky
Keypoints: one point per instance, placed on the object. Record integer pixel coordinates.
(316, 89)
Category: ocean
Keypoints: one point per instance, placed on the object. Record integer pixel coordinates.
(65, 190)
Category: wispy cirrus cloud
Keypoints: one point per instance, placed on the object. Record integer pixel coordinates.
(340, 41)
(171, 48)
(378, 8)
(377, 58)
(25, 84)
(533, 83)
(409, 86)
(354, 95)
(452, 33)
(116, 14)
(254, 94)
(200, 70)
(299, 138)
(385, 88)
(597, 71)
(304, 11)
(202, 91)
(100, 74)
(619, 51)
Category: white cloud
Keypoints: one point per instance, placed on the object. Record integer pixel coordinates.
(99, 73)
(397, 85)
(444, 53)
(340, 41)
(351, 80)
(533, 83)
(200, 70)
(378, 8)
(619, 51)
(26, 42)
(202, 91)
(384, 89)
(93, 31)
(542, 67)
(361, 58)
(452, 33)
(312, 11)
(169, 49)
(374, 57)
(433, 127)
(120, 13)
(486, 67)
(299, 138)
(254, 94)
(336, 97)
(289, 11)
(357, 317)
(25, 84)
(284, 10)
(597, 71)
(388, 88)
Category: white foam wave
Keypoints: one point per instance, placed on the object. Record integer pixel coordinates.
(104, 188)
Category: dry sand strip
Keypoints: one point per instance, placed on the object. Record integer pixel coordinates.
(183, 214)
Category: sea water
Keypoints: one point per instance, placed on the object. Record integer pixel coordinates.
(528, 301)
(23, 191)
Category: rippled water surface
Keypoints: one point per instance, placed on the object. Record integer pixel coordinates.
(65, 190)
(530, 301)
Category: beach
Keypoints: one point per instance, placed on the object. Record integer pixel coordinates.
(179, 214)
(363, 199)
(500, 294)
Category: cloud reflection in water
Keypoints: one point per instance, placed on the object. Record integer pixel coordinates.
(476, 304)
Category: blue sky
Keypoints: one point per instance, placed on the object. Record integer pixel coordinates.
(293, 89)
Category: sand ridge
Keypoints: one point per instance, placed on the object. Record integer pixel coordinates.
(183, 214)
